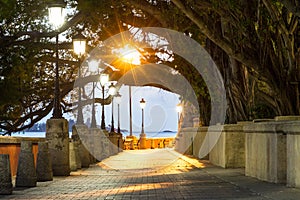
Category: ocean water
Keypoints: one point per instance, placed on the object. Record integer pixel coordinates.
(125, 133)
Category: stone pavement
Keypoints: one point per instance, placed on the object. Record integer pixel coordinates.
(155, 174)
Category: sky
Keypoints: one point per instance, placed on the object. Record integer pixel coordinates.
(160, 111)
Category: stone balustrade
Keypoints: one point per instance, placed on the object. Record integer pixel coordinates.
(229, 149)
(268, 148)
(265, 152)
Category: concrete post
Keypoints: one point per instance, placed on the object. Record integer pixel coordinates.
(6, 186)
(57, 135)
(229, 149)
(120, 142)
(26, 174)
(292, 129)
(73, 158)
(44, 164)
(113, 145)
(96, 144)
(143, 139)
(83, 143)
(265, 151)
(104, 135)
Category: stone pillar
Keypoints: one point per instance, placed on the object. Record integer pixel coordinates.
(113, 145)
(26, 174)
(43, 163)
(186, 140)
(83, 141)
(6, 186)
(143, 139)
(265, 152)
(120, 142)
(201, 144)
(292, 129)
(94, 144)
(74, 159)
(228, 150)
(57, 135)
(104, 135)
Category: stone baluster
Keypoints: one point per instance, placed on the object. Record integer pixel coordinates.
(44, 163)
(26, 173)
(5, 175)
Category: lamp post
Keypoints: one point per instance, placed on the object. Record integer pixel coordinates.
(79, 43)
(56, 19)
(143, 135)
(93, 67)
(118, 101)
(142, 104)
(112, 92)
(103, 80)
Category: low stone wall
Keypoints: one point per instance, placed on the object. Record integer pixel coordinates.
(229, 149)
(200, 143)
(12, 146)
(266, 152)
(292, 131)
(184, 140)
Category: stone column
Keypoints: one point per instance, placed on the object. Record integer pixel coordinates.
(6, 186)
(44, 164)
(57, 135)
(265, 151)
(228, 150)
(113, 145)
(74, 159)
(292, 129)
(143, 139)
(95, 143)
(82, 132)
(200, 144)
(187, 136)
(120, 142)
(105, 144)
(26, 174)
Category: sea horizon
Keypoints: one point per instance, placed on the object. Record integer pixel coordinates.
(161, 134)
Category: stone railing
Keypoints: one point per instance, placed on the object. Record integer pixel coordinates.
(12, 146)
(268, 149)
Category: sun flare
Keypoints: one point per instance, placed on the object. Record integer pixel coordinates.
(129, 54)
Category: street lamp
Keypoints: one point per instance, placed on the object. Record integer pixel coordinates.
(79, 43)
(112, 92)
(56, 19)
(142, 104)
(93, 67)
(104, 78)
(118, 101)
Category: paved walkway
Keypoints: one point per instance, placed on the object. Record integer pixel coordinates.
(155, 174)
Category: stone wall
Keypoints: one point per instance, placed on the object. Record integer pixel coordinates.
(229, 149)
(200, 144)
(184, 140)
(11, 145)
(292, 131)
(265, 152)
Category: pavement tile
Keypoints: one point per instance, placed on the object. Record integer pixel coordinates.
(155, 174)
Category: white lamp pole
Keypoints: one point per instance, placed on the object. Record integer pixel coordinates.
(142, 104)
(112, 92)
(79, 43)
(118, 101)
(104, 78)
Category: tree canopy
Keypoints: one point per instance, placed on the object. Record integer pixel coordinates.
(254, 43)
